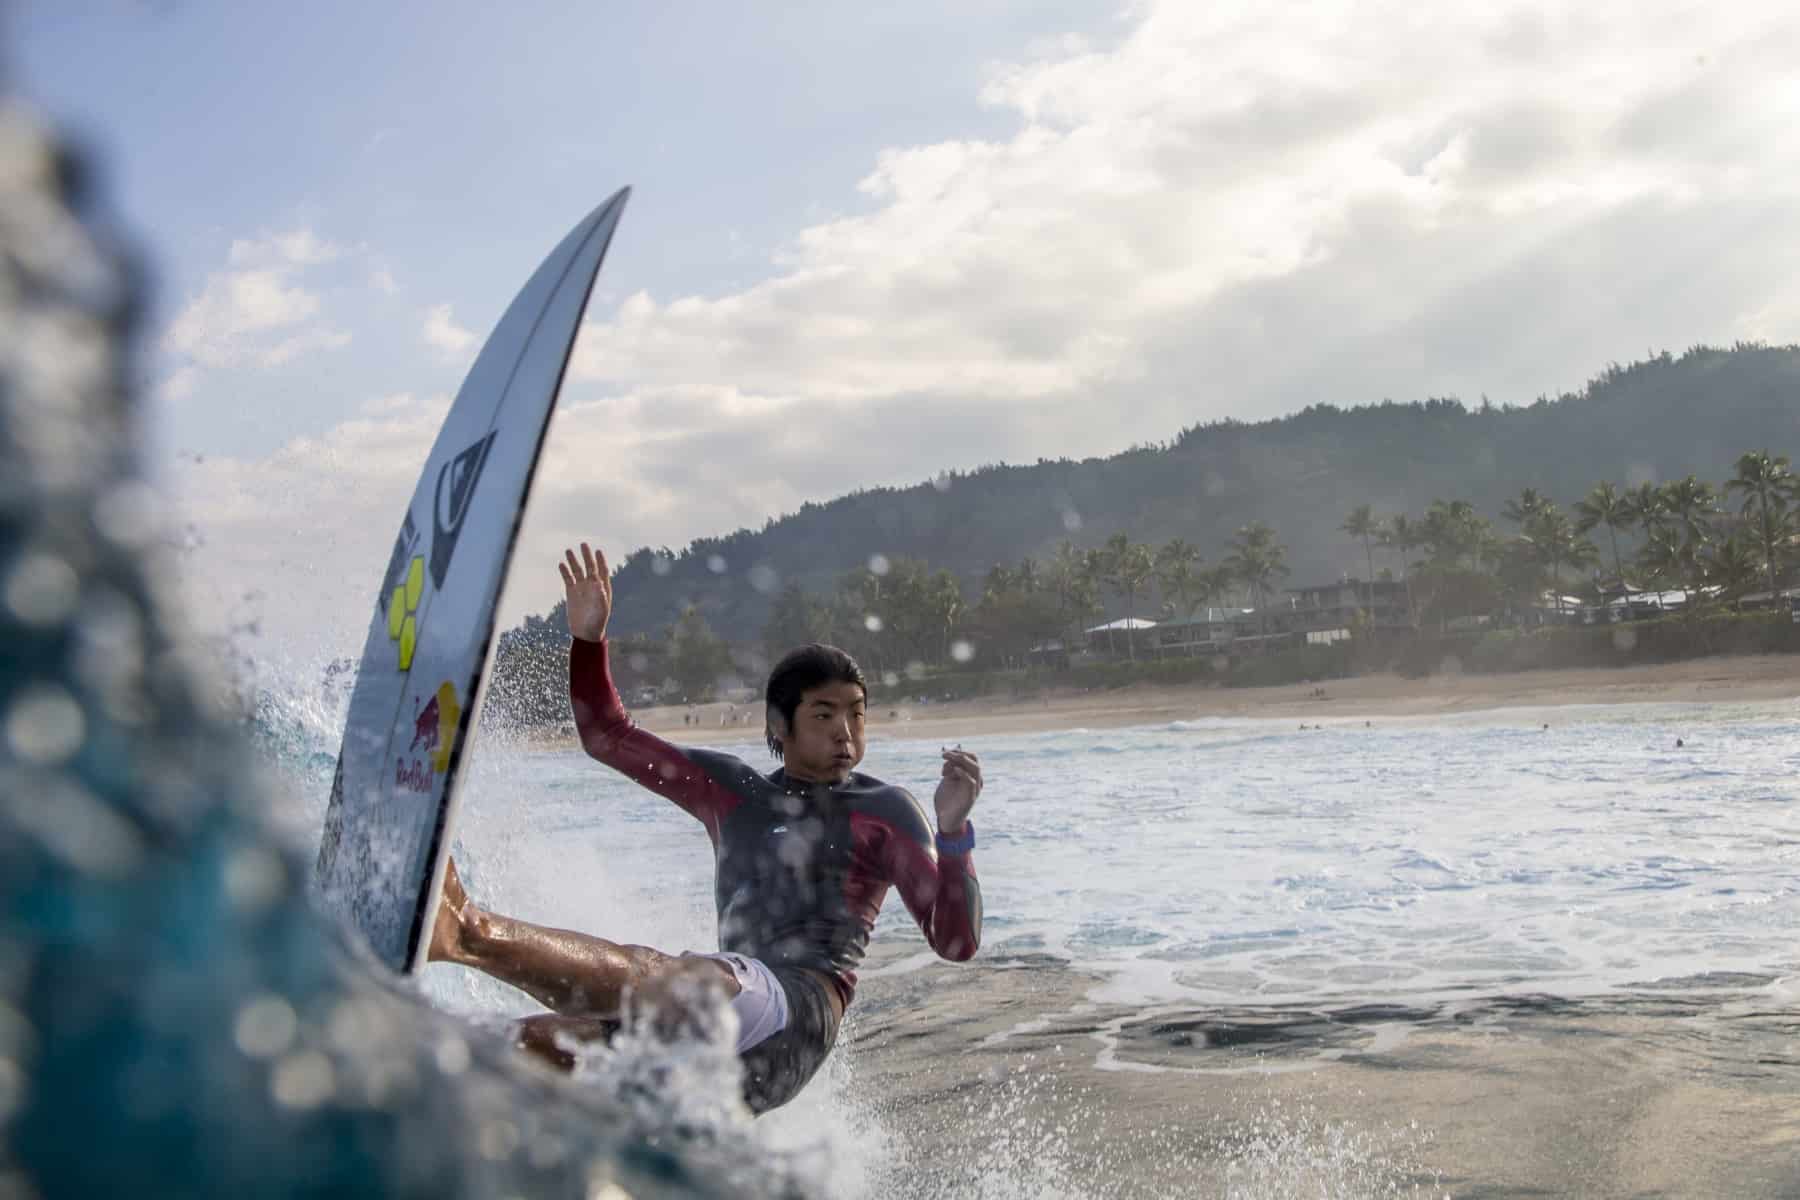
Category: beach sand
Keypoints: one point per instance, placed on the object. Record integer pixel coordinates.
(1674, 1089)
(1367, 697)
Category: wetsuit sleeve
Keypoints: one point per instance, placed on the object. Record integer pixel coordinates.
(941, 892)
(609, 734)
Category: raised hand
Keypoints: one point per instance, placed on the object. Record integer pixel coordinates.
(957, 790)
(588, 589)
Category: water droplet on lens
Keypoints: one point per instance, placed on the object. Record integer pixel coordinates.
(453, 1056)
(878, 564)
(303, 1080)
(45, 726)
(265, 1026)
(499, 1139)
(255, 878)
(961, 651)
(41, 590)
(872, 623)
(12, 1088)
(716, 564)
(129, 514)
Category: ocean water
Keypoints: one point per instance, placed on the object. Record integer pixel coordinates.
(1573, 852)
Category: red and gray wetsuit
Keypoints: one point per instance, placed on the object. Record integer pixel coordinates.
(802, 869)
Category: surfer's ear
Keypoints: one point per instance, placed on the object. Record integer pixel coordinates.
(774, 728)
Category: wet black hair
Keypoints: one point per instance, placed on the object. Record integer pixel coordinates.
(799, 671)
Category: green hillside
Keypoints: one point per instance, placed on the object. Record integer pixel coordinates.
(1651, 421)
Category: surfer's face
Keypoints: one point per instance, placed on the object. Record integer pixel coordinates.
(826, 739)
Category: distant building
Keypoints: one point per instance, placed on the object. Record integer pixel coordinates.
(1119, 634)
(1208, 631)
(1326, 609)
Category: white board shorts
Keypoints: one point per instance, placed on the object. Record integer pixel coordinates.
(761, 1005)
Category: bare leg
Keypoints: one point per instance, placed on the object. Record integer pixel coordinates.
(548, 1035)
(572, 974)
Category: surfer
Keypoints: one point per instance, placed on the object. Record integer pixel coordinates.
(804, 857)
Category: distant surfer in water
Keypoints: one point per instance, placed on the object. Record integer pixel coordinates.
(804, 858)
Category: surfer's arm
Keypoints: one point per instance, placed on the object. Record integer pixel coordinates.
(939, 890)
(610, 735)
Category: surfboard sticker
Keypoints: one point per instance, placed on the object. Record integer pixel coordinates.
(419, 687)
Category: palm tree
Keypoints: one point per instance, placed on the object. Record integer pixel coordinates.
(1453, 531)
(1257, 559)
(1769, 488)
(1689, 502)
(1666, 559)
(1402, 533)
(1606, 505)
(944, 602)
(1363, 525)
(1732, 565)
(1076, 585)
(1558, 542)
(1128, 567)
(1528, 505)
(1178, 574)
(1647, 507)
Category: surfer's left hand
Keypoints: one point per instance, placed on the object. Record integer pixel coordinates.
(957, 790)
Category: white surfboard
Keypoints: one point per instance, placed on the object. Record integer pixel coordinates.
(393, 802)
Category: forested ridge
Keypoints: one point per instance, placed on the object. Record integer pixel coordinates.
(1654, 420)
(1295, 477)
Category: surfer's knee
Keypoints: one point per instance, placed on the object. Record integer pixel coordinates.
(679, 999)
(557, 1039)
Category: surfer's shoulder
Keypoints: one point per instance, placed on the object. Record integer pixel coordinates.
(726, 768)
(892, 805)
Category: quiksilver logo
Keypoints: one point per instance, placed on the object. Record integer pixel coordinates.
(455, 491)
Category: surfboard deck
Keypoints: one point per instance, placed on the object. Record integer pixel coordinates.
(420, 683)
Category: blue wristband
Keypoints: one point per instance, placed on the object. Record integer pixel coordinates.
(958, 845)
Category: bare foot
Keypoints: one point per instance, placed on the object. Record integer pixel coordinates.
(454, 910)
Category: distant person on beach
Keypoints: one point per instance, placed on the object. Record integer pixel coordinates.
(804, 857)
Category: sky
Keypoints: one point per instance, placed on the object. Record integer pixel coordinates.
(867, 247)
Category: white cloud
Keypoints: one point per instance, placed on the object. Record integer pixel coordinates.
(1236, 210)
(297, 248)
(256, 313)
(444, 334)
(179, 385)
(1249, 208)
(383, 281)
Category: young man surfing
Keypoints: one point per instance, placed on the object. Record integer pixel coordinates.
(804, 858)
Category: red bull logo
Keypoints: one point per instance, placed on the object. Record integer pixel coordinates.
(425, 728)
(434, 729)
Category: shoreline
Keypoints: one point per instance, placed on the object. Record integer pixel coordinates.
(1726, 679)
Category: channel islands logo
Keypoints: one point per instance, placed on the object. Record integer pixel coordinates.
(403, 611)
(402, 587)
